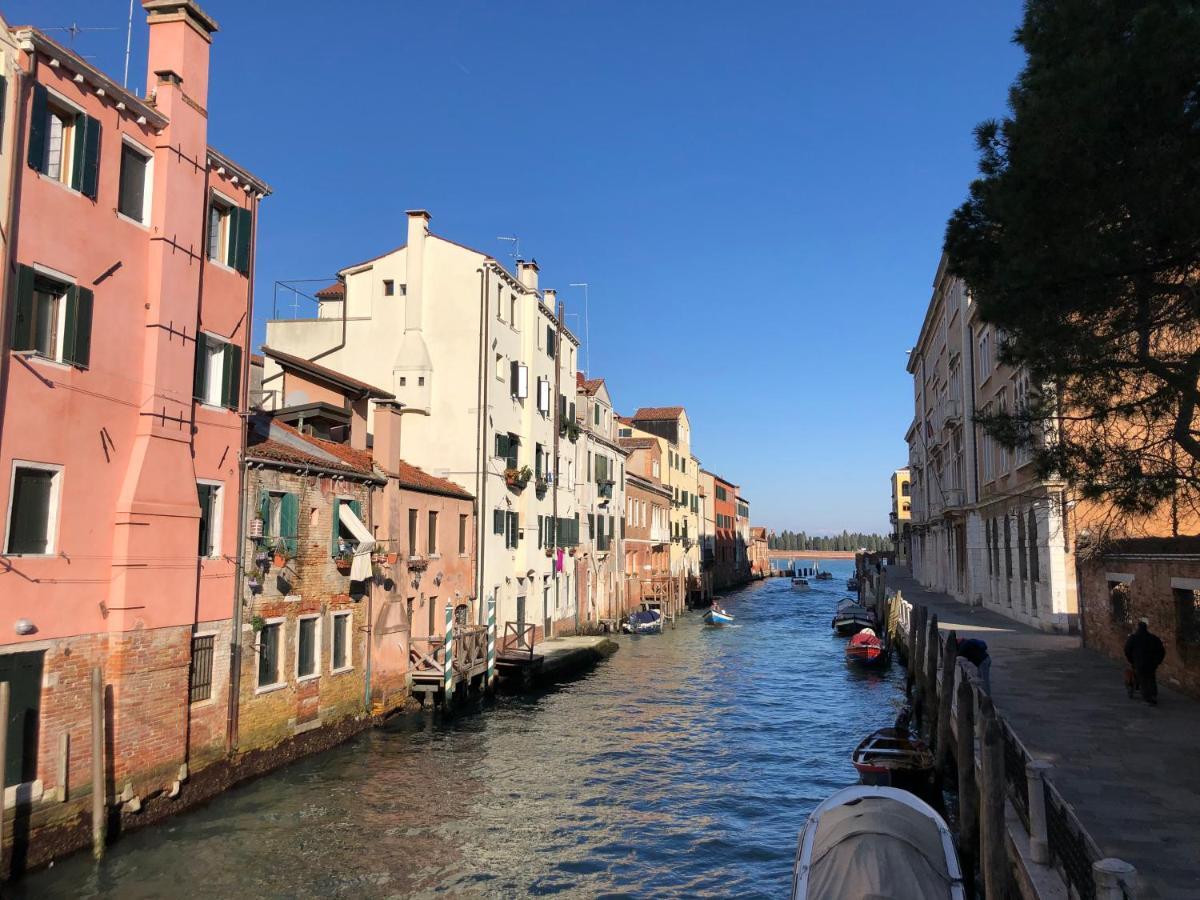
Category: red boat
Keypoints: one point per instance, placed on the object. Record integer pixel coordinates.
(866, 649)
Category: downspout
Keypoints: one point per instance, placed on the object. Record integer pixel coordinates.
(482, 381)
(556, 438)
(370, 602)
(235, 645)
(345, 307)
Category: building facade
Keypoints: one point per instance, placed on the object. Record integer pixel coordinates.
(984, 527)
(741, 540)
(901, 514)
(130, 254)
(647, 519)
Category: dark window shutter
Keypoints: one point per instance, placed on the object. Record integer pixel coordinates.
(336, 506)
(591, 526)
(91, 158)
(22, 337)
(264, 512)
(571, 414)
(289, 520)
(231, 376)
(37, 129)
(77, 339)
(513, 369)
(200, 367)
(498, 521)
(241, 245)
(541, 534)
(232, 237)
(204, 492)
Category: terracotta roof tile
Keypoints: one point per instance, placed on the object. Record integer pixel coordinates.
(416, 479)
(590, 387)
(277, 441)
(657, 413)
(337, 289)
(632, 443)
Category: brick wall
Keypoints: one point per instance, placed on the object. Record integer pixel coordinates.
(1151, 595)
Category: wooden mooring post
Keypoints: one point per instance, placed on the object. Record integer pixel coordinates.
(993, 857)
(968, 790)
(99, 811)
(933, 644)
(946, 698)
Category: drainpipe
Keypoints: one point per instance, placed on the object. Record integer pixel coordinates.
(345, 307)
(482, 380)
(370, 602)
(235, 644)
(556, 425)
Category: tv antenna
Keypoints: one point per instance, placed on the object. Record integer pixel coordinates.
(74, 30)
(516, 242)
(587, 343)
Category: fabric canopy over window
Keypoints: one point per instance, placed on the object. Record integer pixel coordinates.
(360, 567)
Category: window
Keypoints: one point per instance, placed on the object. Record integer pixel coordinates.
(134, 193)
(595, 414)
(904, 489)
(33, 510)
(64, 143)
(550, 340)
(1118, 602)
(501, 368)
(307, 661)
(210, 518)
(498, 521)
(200, 681)
(624, 432)
(507, 446)
(512, 310)
(280, 513)
(340, 651)
(721, 493)
(985, 355)
(412, 533)
(342, 538)
(1187, 615)
(268, 654)
(433, 541)
(462, 535)
(53, 318)
(389, 287)
(216, 379)
(512, 534)
(229, 230)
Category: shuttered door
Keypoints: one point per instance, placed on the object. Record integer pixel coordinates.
(23, 672)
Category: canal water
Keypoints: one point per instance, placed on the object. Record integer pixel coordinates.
(683, 766)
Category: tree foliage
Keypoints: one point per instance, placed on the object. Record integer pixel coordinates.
(798, 540)
(1080, 242)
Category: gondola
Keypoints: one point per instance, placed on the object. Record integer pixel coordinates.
(894, 757)
(867, 649)
(852, 617)
(866, 841)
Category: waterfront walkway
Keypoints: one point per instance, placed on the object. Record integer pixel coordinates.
(1129, 769)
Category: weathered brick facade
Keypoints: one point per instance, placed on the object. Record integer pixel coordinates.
(1145, 579)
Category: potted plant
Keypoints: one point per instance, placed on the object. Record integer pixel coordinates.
(391, 558)
(344, 560)
(280, 555)
(570, 430)
(540, 485)
(549, 552)
(517, 478)
(417, 564)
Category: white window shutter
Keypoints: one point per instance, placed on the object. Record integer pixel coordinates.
(522, 382)
(544, 395)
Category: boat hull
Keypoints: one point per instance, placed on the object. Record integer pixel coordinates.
(894, 758)
(716, 619)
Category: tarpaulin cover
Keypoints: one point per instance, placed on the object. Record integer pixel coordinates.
(360, 566)
(644, 616)
(877, 847)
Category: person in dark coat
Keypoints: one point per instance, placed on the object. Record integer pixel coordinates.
(1145, 654)
(975, 651)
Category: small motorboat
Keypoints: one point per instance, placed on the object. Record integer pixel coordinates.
(852, 583)
(895, 757)
(717, 618)
(867, 649)
(800, 584)
(852, 617)
(644, 621)
(867, 841)
(824, 576)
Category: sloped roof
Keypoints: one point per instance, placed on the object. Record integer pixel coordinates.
(657, 413)
(590, 386)
(637, 443)
(274, 441)
(338, 379)
(417, 479)
(337, 289)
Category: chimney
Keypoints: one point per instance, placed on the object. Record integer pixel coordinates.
(180, 35)
(387, 435)
(548, 297)
(414, 255)
(527, 273)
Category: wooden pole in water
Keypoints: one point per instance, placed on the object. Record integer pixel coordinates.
(968, 790)
(994, 862)
(99, 821)
(932, 646)
(946, 696)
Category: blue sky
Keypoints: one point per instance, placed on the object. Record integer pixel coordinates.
(755, 192)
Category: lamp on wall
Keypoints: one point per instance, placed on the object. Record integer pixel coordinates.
(24, 626)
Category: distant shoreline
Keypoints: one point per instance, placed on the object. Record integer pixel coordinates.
(813, 554)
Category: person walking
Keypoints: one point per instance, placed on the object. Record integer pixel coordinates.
(974, 650)
(1145, 654)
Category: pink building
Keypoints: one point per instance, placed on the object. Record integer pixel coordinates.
(123, 371)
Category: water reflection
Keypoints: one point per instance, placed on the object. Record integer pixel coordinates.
(682, 766)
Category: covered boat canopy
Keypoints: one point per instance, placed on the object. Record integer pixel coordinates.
(644, 617)
(876, 842)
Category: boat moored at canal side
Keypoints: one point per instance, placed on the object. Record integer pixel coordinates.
(644, 621)
(867, 649)
(867, 841)
(800, 584)
(894, 757)
(852, 617)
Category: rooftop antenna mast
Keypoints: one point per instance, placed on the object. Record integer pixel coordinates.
(516, 242)
(75, 29)
(587, 341)
(128, 44)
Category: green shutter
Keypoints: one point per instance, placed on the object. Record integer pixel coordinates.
(91, 158)
(264, 512)
(289, 520)
(591, 526)
(199, 367)
(240, 245)
(231, 380)
(232, 238)
(541, 525)
(77, 339)
(497, 521)
(204, 496)
(356, 508)
(22, 337)
(37, 129)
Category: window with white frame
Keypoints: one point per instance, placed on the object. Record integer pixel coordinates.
(268, 647)
(33, 509)
(985, 354)
(220, 229)
(133, 198)
(308, 642)
(210, 518)
(53, 317)
(64, 142)
(340, 650)
(218, 372)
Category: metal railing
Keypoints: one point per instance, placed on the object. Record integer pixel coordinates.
(1072, 850)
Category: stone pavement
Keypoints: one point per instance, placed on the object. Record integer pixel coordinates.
(1130, 770)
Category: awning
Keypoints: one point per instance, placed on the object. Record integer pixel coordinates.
(360, 566)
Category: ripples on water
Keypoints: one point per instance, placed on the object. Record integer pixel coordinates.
(684, 765)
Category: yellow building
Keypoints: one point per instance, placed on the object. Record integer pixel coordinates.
(901, 514)
(680, 475)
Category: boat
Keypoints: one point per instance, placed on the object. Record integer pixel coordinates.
(874, 841)
(800, 584)
(852, 617)
(852, 583)
(894, 757)
(644, 621)
(867, 649)
(717, 618)
(824, 576)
